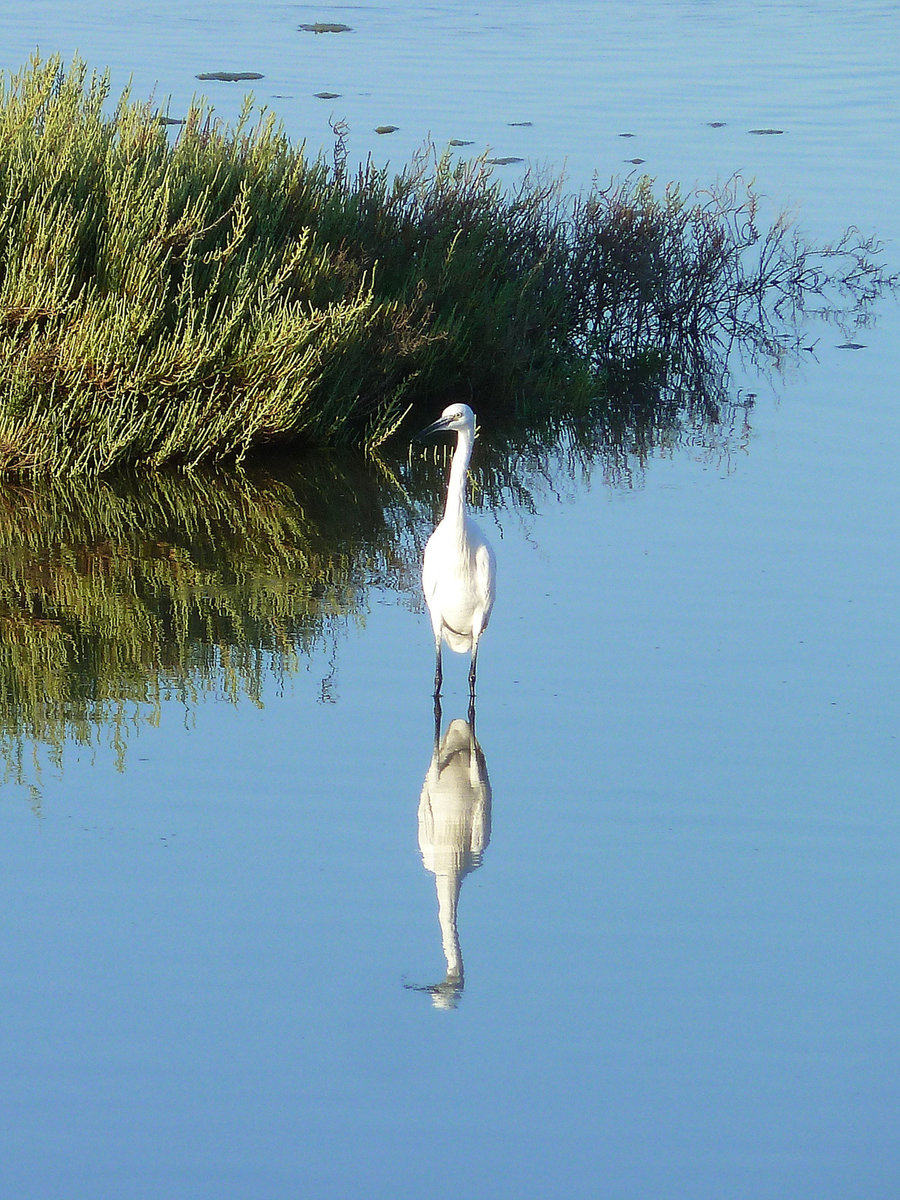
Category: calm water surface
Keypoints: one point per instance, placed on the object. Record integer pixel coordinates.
(227, 843)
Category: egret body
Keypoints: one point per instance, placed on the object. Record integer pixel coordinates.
(459, 569)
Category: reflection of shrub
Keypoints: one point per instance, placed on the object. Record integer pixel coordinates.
(674, 276)
(199, 300)
(114, 599)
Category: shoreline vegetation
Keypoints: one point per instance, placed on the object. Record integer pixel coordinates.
(211, 296)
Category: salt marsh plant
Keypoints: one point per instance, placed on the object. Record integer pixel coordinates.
(220, 294)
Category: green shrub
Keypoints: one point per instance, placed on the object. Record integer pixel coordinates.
(203, 299)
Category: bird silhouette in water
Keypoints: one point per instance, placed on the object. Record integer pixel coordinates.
(459, 569)
(454, 831)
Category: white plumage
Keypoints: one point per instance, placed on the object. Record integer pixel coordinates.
(459, 568)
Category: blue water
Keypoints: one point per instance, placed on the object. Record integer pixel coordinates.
(681, 974)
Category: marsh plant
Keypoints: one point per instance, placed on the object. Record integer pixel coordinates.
(214, 294)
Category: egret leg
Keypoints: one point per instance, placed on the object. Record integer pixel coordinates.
(437, 726)
(438, 670)
(472, 673)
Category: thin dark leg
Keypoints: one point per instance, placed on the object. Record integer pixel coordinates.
(437, 725)
(438, 672)
(472, 674)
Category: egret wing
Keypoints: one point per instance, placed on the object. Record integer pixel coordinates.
(486, 578)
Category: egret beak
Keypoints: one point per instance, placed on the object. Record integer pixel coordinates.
(441, 425)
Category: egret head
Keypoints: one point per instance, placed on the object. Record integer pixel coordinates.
(454, 417)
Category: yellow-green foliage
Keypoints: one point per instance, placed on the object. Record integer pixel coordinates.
(176, 303)
(198, 299)
(114, 598)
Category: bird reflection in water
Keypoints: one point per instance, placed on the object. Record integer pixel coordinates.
(454, 831)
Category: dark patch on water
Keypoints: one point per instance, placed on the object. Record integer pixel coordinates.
(326, 27)
(328, 95)
(230, 76)
(504, 162)
(386, 128)
(766, 132)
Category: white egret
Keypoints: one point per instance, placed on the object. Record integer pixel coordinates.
(459, 568)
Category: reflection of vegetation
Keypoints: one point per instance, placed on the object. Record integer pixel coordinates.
(111, 600)
(114, 597)
(519, 466)
(669, 288)
(201, 300)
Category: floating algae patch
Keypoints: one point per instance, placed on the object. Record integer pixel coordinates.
(327, 95)
(460, 142)
(765, 132)
(386, 128)
(520, 124)
(229, 76)
(716, 124)
(326, 27)
(503, 162)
